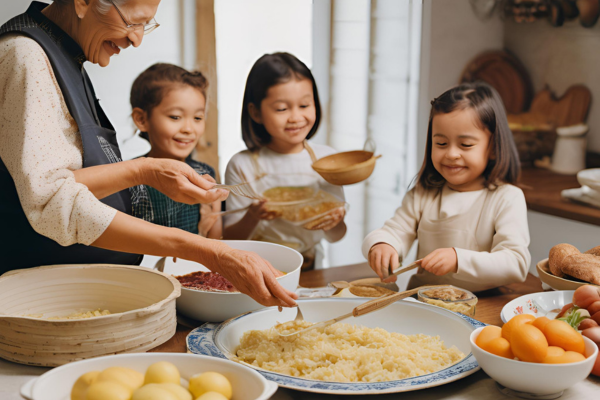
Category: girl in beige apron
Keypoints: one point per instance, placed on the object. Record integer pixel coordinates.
(454, 231)
(469, 148)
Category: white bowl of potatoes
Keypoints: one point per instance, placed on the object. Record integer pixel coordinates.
(149, 376)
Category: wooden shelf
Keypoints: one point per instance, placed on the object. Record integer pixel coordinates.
(542, 191)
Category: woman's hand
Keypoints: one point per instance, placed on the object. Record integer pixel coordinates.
(328, 221)
(180, 182)
(441, 261)
(248, 272)
(383, 259)
(254, 276)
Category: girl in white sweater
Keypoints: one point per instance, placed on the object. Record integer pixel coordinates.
(280, 112)
(471, 222)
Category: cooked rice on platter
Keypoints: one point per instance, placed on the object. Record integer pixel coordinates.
(345, 353)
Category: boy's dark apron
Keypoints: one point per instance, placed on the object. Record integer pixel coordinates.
(20, 245)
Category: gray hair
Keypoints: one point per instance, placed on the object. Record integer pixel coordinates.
(103, 5)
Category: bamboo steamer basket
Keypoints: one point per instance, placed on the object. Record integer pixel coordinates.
(346, 168)
(141, 302)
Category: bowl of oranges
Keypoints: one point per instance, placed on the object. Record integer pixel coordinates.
(532, 356)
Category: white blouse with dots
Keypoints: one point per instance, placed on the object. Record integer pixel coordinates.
(41, 146)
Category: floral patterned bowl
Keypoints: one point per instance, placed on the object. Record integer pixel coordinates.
(537, 304)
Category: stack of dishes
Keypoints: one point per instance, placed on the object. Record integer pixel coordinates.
(589, 192)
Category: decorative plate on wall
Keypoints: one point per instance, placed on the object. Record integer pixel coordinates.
(505, 73)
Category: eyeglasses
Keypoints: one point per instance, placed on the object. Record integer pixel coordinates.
(149, 27)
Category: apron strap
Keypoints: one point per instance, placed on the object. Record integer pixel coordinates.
(258, 172)
(485, 201)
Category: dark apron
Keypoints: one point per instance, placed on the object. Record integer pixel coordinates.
(20, 245)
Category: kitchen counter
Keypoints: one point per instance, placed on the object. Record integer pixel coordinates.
(542, 189)
(477, 386)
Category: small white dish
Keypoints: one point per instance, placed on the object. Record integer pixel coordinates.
(407, 317)
(542, 304)
(56, 384)
(533, 380)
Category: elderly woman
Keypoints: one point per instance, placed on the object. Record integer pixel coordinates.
(65, 195)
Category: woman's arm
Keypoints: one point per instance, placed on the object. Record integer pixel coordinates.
(40, 146)
(174, 178)
(104, 180)
(248, 272)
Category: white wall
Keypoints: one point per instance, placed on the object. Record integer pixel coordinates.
(560, 57)
(11, 8)
(245, 30)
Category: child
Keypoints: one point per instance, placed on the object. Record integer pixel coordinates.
(280, 110)
(471, 222)
(169, 108)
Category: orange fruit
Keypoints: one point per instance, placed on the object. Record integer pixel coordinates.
(528, 343)
(499, 347)
(559, 333)
(515, 321)
(556, 355)
(541, 323)
(488, 334)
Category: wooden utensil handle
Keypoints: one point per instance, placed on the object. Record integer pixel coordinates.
(381, 302)
(385, 301)
(311, 153)
(413, 265)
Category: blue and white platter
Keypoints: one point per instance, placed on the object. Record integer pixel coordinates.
(406, 317)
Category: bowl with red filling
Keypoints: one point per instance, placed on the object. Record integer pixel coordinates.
(209, 296)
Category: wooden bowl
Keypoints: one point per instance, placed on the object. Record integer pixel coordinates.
(555, 282)
(141, 302)
(346, 168)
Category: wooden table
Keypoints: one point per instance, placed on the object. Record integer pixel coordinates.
(474, 387)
